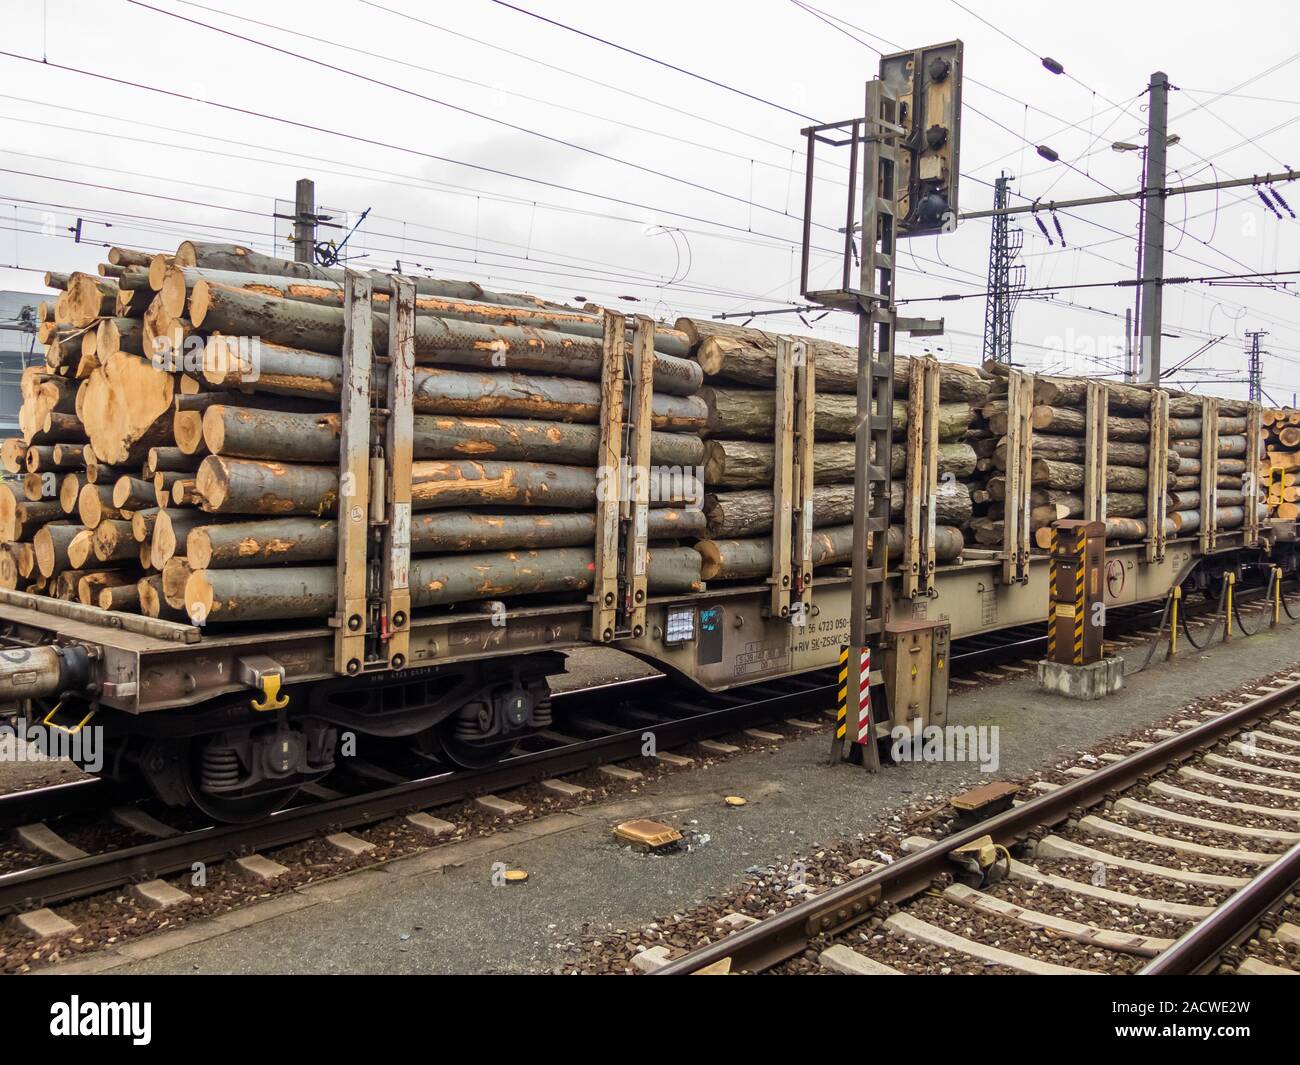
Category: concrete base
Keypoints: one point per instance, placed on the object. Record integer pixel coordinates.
(1094, 681)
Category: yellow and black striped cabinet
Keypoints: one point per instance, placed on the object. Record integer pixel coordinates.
(1077, 622)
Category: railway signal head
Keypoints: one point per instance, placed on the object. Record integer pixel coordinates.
(927, 84)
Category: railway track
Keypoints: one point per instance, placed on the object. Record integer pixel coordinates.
(1181, 857)
(629, 710)
(594, 727)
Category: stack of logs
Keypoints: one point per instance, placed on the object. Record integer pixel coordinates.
(1281, 452)
(739, 364)
(180, 445)
(1059, 420)
(169, 466)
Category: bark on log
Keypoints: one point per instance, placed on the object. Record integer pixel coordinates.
(152, 603)
(124, 597)
(1062, 421)
(247, 486)
(751, 559)
(132, 493)
(747, 464)
(748, 356)
(1069, 475)
(438, 341)
(750, 414)
(19, 519)
(248, 432)
(293, 372)
(89, 585)
(228, 595)
(739, 515)
(112, 541)
(238, 259)
(298, 540)
(51, 547)
(163, 459)
(179, 283)
(1074, 449)
(95, 504)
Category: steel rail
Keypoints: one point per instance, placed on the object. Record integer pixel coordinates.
(778, 938)
(47, 884)
(1198, 950)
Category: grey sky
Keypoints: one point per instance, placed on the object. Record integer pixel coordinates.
(678, 248)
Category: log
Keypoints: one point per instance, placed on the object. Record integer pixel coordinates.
(247, 486)
(1069, 475)
(738, 515)
(179, 282)
(1063, 421)
(81, 549)
(112, 541)
(124, 596)
(238, 259)
(127, 408)
(152, 603)
(95, 504)
(132, 493)
(168, 459)
(114, 335)
(142, 524)
(19, 519)
(297, 540)
(746, 464)
(41, 458)
(285, 592)
(748, 356)
(13, 454)
(438, 341)
(1074, 449)
(750, 414)
(50, 545)
(89, 585)
(1073, 392)
(293, 372)
(751, 559)
(175, 575)
(170, 530)
(248, 432)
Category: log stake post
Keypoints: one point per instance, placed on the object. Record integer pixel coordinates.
(781, 578)
(1250, 479)
(1019, 479)
(398, 451)
(1094, 454)
(609, 463)
(637, 504)
(921, 477)
(1209, 473)
(1157, 476)
(805, 385)
(349, 620)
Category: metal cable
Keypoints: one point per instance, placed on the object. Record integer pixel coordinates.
(1223, 590)
(1155, 640)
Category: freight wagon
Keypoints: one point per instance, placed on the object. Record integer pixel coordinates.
(258, 505)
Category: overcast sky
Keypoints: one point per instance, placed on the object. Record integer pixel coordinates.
(679, 193)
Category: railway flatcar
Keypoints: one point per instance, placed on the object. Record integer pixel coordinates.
(260, 507)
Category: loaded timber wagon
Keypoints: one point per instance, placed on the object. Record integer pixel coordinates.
(257, 504)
